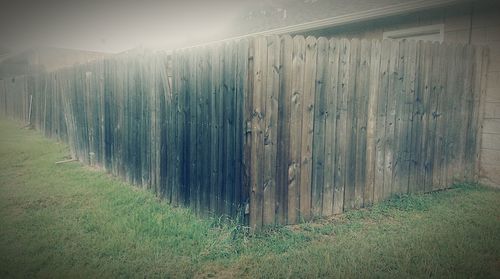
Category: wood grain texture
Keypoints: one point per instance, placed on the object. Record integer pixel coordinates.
(342, 131)
(362, 96)
(351, 126)
(257, 166)
(294, 157)
(307, 127)
(271, 130)
(284, 116)
(371, 123)
(320, 114)
(331, 86)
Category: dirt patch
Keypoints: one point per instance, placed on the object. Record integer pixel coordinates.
(216, 271)
(51, 202)
(41, 203)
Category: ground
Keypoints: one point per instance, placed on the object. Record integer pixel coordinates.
(68, 220)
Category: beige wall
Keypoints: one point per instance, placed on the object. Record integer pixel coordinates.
(483, 27)
(477, 24)
(486, 30)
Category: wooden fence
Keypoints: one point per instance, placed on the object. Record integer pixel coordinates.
(15, 98)
(273, 129)
(171, 123)
(341, 124)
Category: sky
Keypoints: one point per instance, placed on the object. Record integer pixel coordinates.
(117, 25)
(114, 26)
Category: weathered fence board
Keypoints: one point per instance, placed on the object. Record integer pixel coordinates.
(258, 130)
(284, 118)
(271, 131)
(320, 115)
(373, 97)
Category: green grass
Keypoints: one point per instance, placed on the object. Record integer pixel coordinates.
(69, 220)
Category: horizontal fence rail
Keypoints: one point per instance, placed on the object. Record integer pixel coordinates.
(270, 130)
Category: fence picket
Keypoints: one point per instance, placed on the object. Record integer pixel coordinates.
(270, 132)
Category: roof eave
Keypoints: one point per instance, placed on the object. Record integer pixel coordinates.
(378, 13)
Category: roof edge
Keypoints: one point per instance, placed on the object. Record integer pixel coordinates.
(387, 11)
(392, 10)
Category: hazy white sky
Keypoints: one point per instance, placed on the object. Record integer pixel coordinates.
(112, 25)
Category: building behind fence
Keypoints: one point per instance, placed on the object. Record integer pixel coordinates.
(272, 130)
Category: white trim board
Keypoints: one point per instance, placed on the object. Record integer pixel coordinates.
(432, 32)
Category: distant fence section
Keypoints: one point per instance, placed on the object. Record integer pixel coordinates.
(15, 97)
(275, 130)
(171, 123)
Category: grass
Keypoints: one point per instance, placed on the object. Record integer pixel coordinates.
(72, 221)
